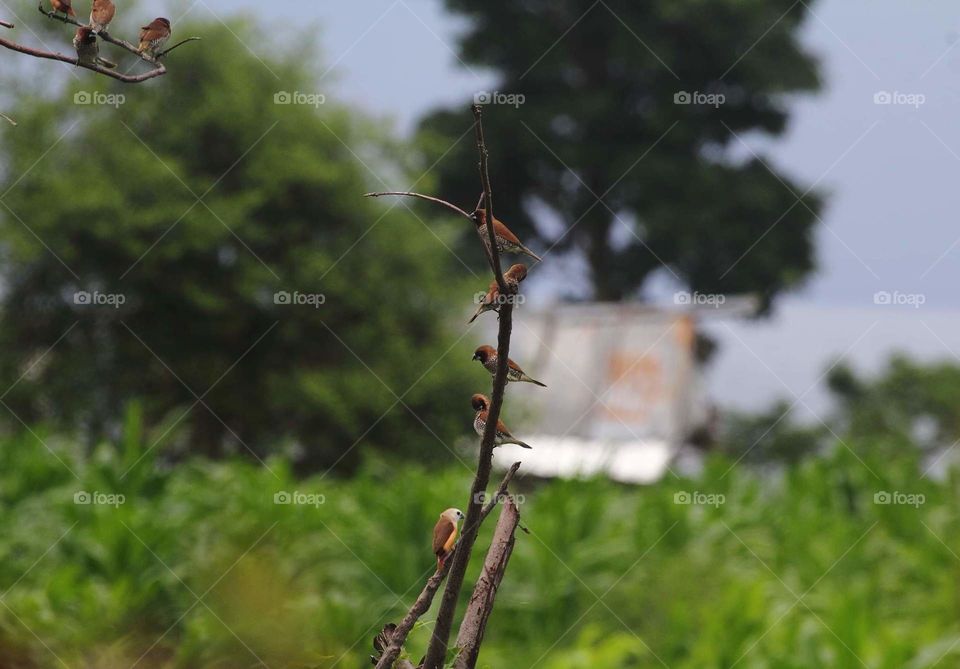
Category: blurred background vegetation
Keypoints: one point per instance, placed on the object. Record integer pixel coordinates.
(200, 398)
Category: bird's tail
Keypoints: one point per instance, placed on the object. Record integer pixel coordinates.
(530, 253)
(70, 12)
(479, 311)
(103, 62)
(521, 444)
(533, 381)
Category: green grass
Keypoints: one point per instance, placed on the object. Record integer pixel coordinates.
(609, 576)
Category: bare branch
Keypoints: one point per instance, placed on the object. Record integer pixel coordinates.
(72, 60)
(6, 24)
(485, 592)
(423, 602)
(437, 649)
(424, 197)
(180, 43)
(7, 119)
(493, 256)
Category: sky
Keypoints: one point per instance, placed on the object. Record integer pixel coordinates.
(888, 245)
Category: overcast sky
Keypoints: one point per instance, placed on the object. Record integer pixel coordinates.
(892, 171)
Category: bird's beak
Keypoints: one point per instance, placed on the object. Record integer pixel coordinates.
(476, 356)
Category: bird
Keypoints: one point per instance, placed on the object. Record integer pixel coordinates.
(62, 7)
(154, 36)
(506, 240)
(487, 355)
(492, 300)
(88, 51)
(445, 534)
(101, 14)
(482, 405)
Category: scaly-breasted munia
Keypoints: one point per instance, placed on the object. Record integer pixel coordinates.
(492, 300)
(482, 405)
(506, 240)
(445, 534)
(487, 355)
(62, 7)
(101, 14)
(154, 36)
(88, 50)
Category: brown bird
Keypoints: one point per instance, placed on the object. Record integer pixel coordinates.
(101, 14)
(62, 7)
(492, 300)
(482, 405)
(88, 50)
(445, 534)
(154, 36)
(487, 355)
(506, 240)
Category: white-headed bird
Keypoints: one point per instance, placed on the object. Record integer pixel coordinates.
(445, 534)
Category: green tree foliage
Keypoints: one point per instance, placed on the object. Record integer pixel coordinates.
(198, 199)
(600, 118)
(920, 402)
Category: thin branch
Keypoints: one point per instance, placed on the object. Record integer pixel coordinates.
(436, 651)
(424, 197)
(6, 24)
(7, 119)
(180, 43)
(423, 602)
(72, 60)
(488, 198)
(481, 601)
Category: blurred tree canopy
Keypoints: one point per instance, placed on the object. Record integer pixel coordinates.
(916, 401)
(264, 301)
(613, 107)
